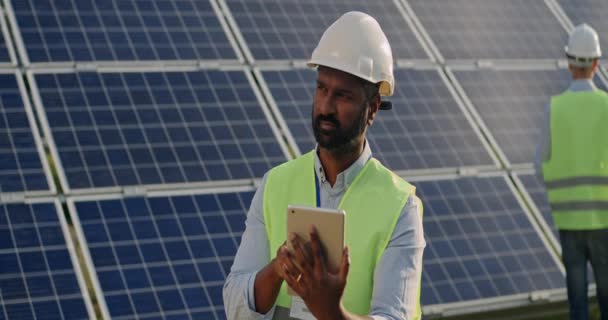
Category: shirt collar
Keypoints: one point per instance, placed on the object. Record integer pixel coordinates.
(347, 176)
(582, 85)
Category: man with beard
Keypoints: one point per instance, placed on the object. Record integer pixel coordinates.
(379, 277)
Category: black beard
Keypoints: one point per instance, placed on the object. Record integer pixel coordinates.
(340, 140)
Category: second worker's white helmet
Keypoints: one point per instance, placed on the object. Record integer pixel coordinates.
(583, 46)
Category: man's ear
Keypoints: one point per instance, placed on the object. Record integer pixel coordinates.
(374, 106)
(594, 65)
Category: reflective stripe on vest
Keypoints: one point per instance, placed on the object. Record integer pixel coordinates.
(576, 175)
(373, 203)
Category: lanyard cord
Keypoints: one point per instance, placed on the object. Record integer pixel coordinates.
(317, 190)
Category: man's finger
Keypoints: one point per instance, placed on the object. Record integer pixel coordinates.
(295, 282)
(317, 252)
(300, 251)
(345, 265)
(287, 265)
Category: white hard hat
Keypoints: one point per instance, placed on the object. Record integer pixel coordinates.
(583, 46)
(356, 44)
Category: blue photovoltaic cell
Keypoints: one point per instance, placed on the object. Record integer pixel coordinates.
(426, 128)
(37, 278)
(536, 189)
(122, 129)
(480, 243)
(91, 30)
(512, 104)
(492, 29)
(164, 257)
(592, 12)
(20, 165)
(4, 53)
(290, 29)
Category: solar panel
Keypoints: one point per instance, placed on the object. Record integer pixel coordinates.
(491, 29)
(481, 244)
(426, 129)
(535, 187)
(592, 12)
(6, 50)
(151, 128)
(290, 29)
(39, 277)
(162, 257)
(512, 104)
(21, 168)
(98, 31)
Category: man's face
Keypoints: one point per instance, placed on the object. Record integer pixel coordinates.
(340, 111)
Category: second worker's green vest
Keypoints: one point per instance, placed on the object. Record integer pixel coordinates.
(576, 175)
(373, 203)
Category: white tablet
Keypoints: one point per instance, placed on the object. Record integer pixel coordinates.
(329, 224)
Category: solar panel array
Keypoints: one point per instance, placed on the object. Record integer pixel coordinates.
(491, 29)
(481, 243)
(85, 31)
(513, 104)
(427, 128)
(290, 29)
(154, 119)
(162, 256)
(150, 128)
(21, 167)
(38, 275)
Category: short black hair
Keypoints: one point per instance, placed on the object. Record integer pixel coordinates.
(370, 89)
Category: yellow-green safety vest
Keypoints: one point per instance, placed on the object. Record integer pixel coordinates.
(373, 203)
(576, 175)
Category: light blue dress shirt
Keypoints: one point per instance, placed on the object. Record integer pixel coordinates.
(396, 278)
(543, 151)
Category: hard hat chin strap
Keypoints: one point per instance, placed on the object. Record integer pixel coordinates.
(580, 62)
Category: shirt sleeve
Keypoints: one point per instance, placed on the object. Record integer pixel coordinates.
(251, 256)
(543, 150)
(397, 278)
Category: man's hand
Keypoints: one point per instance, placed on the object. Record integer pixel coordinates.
(268, 281)
(307, 274)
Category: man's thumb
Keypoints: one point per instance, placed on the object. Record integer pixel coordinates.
(345, 265)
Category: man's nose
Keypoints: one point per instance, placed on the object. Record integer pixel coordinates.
(326, 105)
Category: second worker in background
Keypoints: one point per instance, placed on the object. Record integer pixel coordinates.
(574, 156)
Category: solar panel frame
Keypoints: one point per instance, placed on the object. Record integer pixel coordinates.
(453, 68)
(151, 187)
(7, 40)
(23, 55)
(69, 243)
(39, 141)
(249, 57)
(502, 301)
(87, 257)
(441, 57)
(283, 126)
(549, 231)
